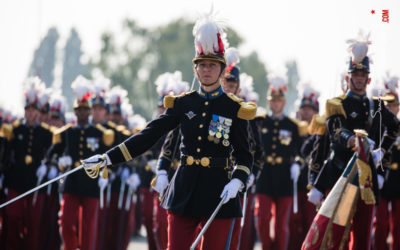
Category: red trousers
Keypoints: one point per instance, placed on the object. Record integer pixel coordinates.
(147, 196)
(71, 205)
(265, 212)
(160, 225)
(182, 232)
(360, 237)
(387, 222)
(248, 235)
(23, 222)
(300, 223)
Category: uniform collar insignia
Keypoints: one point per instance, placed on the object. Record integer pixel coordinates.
(190, 115)
(211, 95)
(353, 95)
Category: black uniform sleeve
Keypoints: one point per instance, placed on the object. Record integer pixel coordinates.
(241, 151)
(259, 155)
(142, 141)
(170, 150)
(392, 128)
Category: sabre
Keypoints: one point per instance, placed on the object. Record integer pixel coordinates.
(129, 199)
(108, 198)
(101, 198)
(121, 194)
(42, 185)
(295, 209)
(39, 180)
(208, 222)
(244, 209)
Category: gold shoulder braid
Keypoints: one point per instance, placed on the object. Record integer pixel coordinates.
(302, 126)
(108, 135)
(247, 110)
(334, 107)
(317, 125)
(169, 100)
(7, 131)
(57, 133)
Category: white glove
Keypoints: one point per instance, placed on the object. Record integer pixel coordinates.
(153, 165)
(41, 171)
(125, 174)
(102, 183)
(315, 196)
(250, 181)
(232, 188)
(52, 173)
(377, 156)
(295, 171)
(161, 182)
(381, 180)
(65, 161)
(93, 161)
(371, 142)
(134, 181)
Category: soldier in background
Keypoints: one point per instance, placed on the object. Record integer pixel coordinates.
(80, 201)
(387, 220)
(27, 144)
(274, 187)
(301, 221)
(44, 104)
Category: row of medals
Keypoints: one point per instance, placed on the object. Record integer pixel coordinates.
(217, 136)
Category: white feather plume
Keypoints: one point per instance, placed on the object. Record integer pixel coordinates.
(136, 122)
(391, 83)
(246, 85)
(58, 102)
(277, 82)
(101, 86)
(81, 87)
(44, 96)
(232, 56)
(310, 92)
(126, 110)
(33, 87)
(162, 83)
(117, 95)
(359, 47)
(205, 32)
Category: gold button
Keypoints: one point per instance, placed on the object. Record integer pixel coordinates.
(80, 153)
(206, 103)
(201, 126)
(199, 138)
(276, 123)
(82, 132)
(366, 113)
(80, 146)
(81, 138)
(204, 114)
(29, 150)
(273, 146)
(198, 150)
(189, 160)
(31, 130)
(30, 143)
(274, 138)
(275, 131)
(364, 104)
(273, 154)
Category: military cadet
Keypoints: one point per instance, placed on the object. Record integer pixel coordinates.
(169, 157)
(81, 193)
(213, 124)
(355, 110)
(301, 221)
(386, 220)
(50, 236)
(281, 140)
(27, 144)
(44, 105)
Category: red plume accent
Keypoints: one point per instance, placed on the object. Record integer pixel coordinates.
(230, 67)
(85, 97)
(220, 45)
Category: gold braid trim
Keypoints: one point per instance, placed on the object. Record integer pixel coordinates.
(243, 168)
(125, 152)
(317, 125)
(365, 181)
(108, 135)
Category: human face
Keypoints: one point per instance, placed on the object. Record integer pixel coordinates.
(116, 118)
(56, 121)
(82, 115)
(230, 87)
(208, 72)
(44, 117)
(393, 107)
(359, 81)
(306, 113)
(31, 115)
(277, 105)
(99, 114)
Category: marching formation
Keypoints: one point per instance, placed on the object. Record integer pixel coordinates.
(212, 171)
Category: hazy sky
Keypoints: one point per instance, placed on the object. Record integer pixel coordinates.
(309, 31)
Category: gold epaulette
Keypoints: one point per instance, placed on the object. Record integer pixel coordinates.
(387, 97)
(45, 125)
(57, 133)
(7, 131)
(247, 110)
(169, 100)
(317, 125)
(108, 135)
(122, 129)
(334, 107)
(302, 126)
(111, 124)
(16, 123)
